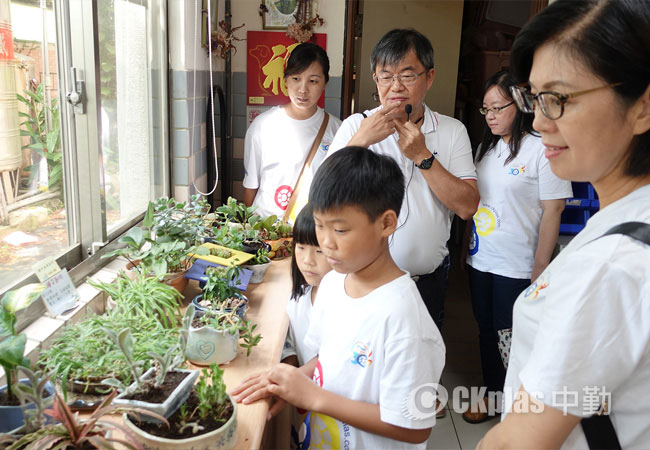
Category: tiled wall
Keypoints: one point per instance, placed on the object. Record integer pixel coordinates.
(188, 138)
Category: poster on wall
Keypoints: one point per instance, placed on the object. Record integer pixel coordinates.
(267, 54)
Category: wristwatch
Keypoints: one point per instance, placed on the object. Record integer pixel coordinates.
(426, 163)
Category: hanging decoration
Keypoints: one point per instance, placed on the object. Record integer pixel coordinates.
(222, 40)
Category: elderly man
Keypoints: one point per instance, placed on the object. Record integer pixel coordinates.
(433, 151)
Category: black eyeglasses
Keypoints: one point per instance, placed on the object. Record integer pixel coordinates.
(406, 78)
(496, 110)
(551, 103)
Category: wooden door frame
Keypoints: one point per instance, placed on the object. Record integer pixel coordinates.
(351, 9)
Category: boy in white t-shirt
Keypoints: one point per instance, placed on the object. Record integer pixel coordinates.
(378, 354)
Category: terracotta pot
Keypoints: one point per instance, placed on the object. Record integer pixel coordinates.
(223, 438)
(177, 280)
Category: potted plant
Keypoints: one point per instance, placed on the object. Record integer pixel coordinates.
(219, 291)
(164, 387)
(259, 265)
(72, 432)
(12, 350)
(208, 419)
(144, 295)
(165, 252)
(214, 334)
(82, 354)
(34, 392)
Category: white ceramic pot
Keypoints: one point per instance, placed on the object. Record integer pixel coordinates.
(171, 404)
(206, 345)
(259, 270)
(223, 438)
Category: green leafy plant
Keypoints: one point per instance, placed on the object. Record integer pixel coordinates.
(235, 212)
(220, 319)
(180, 221)
(12, 347)
(74, 433)
(169, 360)
(144, 295)
(219, 286)
(261, 257)
(45, 142)
(34, 393)
(213, 400)
(83, 351)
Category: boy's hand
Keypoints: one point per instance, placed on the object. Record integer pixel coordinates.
(293, 386)
(375, 128)
(411, 141)
(282, 381)
(250, 386)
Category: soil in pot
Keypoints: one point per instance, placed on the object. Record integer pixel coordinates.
(161, 393)
(6, 401)
(209, 424)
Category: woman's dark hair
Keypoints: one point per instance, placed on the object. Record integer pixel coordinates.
(303, 56)
(522, 124)
(304, 232)
(610, 37)
(395, 44)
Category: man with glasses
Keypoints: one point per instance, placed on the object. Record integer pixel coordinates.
(433, 151)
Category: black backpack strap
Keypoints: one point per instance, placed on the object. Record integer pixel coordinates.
(599, 429)
(600, 433)
(636, 230)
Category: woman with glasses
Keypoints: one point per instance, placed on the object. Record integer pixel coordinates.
(515, 228)
(581, 331)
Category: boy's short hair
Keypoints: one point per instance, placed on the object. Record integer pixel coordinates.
(355, 176)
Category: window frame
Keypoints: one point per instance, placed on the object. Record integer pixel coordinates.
(77, 46)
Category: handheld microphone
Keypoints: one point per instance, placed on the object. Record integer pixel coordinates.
(408, 108)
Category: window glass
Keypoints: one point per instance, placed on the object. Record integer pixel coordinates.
(33, 218)
(129, 100)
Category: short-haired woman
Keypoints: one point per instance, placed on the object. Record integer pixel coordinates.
(279, 140)
(581, 331)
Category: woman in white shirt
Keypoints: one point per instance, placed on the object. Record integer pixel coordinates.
(515, 227)
(279, 140)
(581, 331)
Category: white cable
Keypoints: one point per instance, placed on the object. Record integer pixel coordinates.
(214, 139)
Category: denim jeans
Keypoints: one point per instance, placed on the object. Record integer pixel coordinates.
(433, 288)
(493, 297)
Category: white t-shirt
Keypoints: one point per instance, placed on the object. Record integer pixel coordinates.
(378, 349)
(506, 224)
(585, 324)
(299, 319)
(420, 242)
(275, 149)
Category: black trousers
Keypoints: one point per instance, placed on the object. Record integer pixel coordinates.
(493, 297)
(433, 288)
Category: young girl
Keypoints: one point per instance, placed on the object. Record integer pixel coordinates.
(278, 141)
(308, 266)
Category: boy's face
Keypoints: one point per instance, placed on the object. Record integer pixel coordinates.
(349, 239)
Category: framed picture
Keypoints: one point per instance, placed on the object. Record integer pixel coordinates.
(214, 21)
(281, 13)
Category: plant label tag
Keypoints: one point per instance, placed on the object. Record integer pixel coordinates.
(46, 269)
(60, 294)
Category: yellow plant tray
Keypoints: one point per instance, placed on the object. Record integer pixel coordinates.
(237, 257)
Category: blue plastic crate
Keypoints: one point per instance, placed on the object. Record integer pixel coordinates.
(574, 220)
